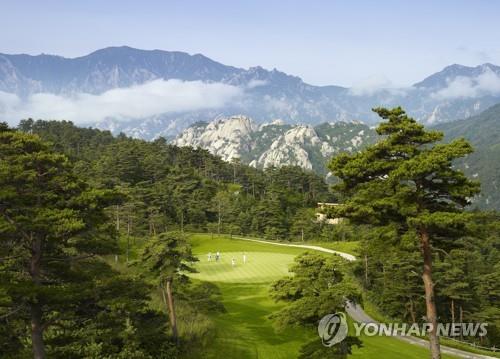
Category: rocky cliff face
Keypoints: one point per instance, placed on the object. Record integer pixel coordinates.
(276, 143)
(225, 137)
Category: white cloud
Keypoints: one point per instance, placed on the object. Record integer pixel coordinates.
(8, 101)
(256, 83)
(370, 85)
(487, 83)
(276, 104)
(140, 101)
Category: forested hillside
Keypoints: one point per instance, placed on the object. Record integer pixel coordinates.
(483, 131)
(170, 187)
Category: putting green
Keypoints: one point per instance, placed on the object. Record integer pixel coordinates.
(260, 267)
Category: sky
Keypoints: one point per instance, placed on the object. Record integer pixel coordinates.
(348, 43)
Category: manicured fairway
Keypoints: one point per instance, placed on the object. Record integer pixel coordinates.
(245, 331)
(260, 267)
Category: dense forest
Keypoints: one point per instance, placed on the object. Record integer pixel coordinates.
(77, 204)
(170, 187)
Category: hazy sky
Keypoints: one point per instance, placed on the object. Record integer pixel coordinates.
(324, 42)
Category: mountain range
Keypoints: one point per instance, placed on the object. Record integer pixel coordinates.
(283, 119)
(108, 81)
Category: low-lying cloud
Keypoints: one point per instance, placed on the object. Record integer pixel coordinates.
(375, 85)
(256, 83)
(139, 101)
(370, 86)
(487, 83)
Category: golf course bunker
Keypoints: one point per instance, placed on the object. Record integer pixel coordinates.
(260, 267)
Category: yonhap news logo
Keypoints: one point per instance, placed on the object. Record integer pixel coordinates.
(332, 329)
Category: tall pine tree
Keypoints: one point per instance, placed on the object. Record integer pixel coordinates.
(407, 180)
(52, 227)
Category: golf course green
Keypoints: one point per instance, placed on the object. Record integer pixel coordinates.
(245, 331)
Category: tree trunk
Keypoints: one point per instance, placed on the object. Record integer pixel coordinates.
(128, 237)
(461, 311)
(128, 248)
(452, 311)
(219, 221)
(412, 312)
(171, 310)
(302, 234)
(383, 276)
(117, 218)
(429, 294)
(36, 310)
(366, 270)
(182, 221)
(37, 332)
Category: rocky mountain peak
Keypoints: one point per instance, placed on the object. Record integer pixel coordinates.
(276, 143)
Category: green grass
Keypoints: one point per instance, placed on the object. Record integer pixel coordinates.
(245, 330)
(203, 244)
(387, 347)
(347, 247)
(261, 267)
(453, 344)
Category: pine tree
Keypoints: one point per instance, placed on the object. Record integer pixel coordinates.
(167, 256)
(408, 180)
(318, 285)
(51, 228)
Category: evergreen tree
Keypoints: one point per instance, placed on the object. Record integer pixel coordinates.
(167, 256)
(318, 286)
(408, 180)
(51, 227)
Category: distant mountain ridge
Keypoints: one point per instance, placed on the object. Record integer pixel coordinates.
(483, 131)
(455, 92)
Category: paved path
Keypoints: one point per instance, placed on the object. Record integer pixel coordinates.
(346, 256)
(359, 315)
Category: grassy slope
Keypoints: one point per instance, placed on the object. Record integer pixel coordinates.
(244, 331)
